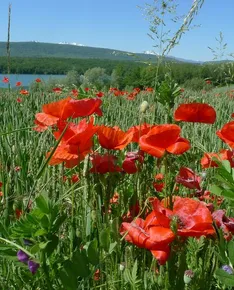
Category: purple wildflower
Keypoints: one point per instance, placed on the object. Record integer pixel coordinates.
(22, 256)
(33, 266)
(228, 269)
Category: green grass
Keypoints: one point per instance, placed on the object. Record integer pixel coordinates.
(72, 236)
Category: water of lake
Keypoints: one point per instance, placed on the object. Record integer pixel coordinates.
(26, 80)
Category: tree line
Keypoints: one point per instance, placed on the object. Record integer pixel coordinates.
(122, 73)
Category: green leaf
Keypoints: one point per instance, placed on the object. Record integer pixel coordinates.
(52, 245)
(216, 190)
(93, 253)
(225, 278)
(58, 222)
(35, 249)
(7, 251)
(42, 204)
(3, 230)
(226, 164)
(134, 271)
(40, 232)
(68, 279)
(80, 264)
(45, 222)
(228, 194)
(112, 247)
(231, 252)
(105, 239)
(43, 245)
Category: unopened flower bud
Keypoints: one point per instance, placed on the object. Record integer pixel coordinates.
(188, 276)
(144, 106)
(121, 266)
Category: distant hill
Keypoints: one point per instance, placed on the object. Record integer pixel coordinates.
(39, 49)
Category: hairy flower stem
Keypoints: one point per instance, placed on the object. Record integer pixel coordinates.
(72, 233)
(8, 44)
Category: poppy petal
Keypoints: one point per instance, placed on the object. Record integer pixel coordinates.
(179, 147)
(46, 119)
(162, 256)
(195, 112)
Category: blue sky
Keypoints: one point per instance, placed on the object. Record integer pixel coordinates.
(117, 24)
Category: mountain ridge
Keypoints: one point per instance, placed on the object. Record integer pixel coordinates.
(73, 50)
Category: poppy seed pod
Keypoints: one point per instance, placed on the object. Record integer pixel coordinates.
(144, 106)
(188, 276)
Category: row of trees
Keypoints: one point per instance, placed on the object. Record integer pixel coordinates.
(99, 73)
(193, 77)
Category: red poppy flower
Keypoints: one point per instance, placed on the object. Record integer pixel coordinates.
(132, 96)
(226, 134)
(162, 256)
(75, 93)
(75, 178)
(224, 222)
(158, 184)
(153, 233)
(208, 82)
(134, 211)
(104, 163)
(139, 131)
(113, 138)
(5, 80)
(38, 80)
(69, 154)
(100, 94)
(149, 89)
(192, 216)
(65, 108)
(115, 198)
(195, 112)
(18, 213)
(19, 100)
(52, 112)
(39, 127)
(24, 92)
(57, 90)
(96, 276)
(76, 143)
(129, 164)
(162, 138)
(153, 237)
(208, 160)
(188, 178)
(86, 89)
(84, 107)
(18, 84)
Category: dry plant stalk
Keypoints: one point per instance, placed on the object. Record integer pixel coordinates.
(8, 40)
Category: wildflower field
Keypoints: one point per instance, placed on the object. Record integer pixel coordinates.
(116, 190)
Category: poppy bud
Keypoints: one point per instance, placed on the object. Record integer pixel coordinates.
(121, 266)
(129, 166)
(188, 276)
(144, 106)
(203, 174)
